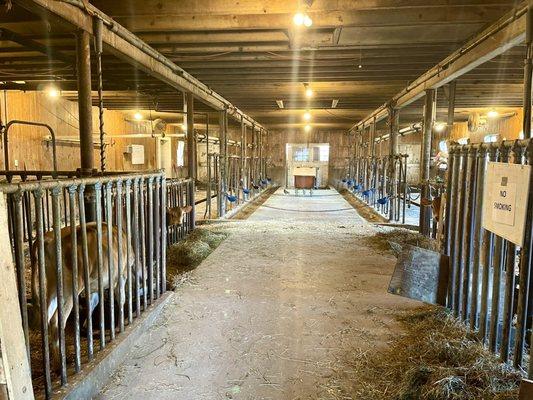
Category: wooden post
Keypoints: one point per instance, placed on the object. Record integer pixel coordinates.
(451, 111)
(243, 156)
(223, 163)
(15, 374)
(191, 155)
(85, 117)
(429, 119)
(85, 102)
(394, 119)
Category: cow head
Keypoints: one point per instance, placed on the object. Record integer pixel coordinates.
(175, 215)
(435, 206)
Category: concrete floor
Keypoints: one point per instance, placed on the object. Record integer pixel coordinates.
(272, 313)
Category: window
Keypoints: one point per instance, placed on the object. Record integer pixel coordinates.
(492, 138)
(443, 147)
(301, 154)
(181, 154)
(324, 153)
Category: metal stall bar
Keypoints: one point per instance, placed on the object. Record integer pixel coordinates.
(110, 256)
(429, 119)
(468, 221)
(478, 201)
(74, 265)
(487, 242)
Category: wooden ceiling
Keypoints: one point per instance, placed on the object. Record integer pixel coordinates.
(250, 52)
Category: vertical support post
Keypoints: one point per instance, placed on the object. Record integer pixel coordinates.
(394, 119)
(14, 356)
(526, 258)
(252, 159)
(451, 109)
(429, 119)
(222, 159)
(98, 26)
(191, 156)
(85, 102)
(243, 155)
(83, 69)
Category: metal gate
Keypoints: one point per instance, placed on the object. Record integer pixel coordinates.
(490, 287)
(91, 244)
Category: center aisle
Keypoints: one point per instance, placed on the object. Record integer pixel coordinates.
(272, 312)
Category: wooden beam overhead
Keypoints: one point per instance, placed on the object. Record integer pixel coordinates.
(137, 55)
(507, 32)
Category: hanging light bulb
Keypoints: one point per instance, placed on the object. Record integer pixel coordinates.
(138, 116)
(307, 128)
(493, 114)
(307, 116)
(440, 126)
(52, 91)
(309, 92)
(307, 21)
(298, 19)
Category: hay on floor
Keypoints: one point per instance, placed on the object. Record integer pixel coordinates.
(189, 253)
(436, 359)
(382, 240)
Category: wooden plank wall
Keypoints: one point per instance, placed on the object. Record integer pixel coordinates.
(27, 146)
(338, 151)
(508, 128)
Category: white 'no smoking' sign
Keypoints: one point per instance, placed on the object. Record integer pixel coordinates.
(505, 200)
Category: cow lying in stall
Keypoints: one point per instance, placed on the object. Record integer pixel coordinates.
(174, 216)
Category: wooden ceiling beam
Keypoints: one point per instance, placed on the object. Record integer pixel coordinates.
(504, 34)
(125, 46)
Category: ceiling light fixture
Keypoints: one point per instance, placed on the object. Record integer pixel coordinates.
(307, 128)
(334, 103)
(300, 19)
(138, 116)
(308, 90)
(493, 114)
(440, 126)
(280, 103)
(52, 91)
(307, 116)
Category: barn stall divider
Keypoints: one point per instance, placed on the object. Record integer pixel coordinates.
(490, 284)
(180, 193)
(131, 255)
(381, 182)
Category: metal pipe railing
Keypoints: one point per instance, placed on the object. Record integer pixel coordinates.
(483, 288)
(78, 267)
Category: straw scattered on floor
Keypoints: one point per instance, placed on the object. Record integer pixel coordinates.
(435, 359)
(382, 240)
(189, 253)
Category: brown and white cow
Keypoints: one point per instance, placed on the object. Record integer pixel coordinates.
(51, 282)
(174, 216)
(435, 206)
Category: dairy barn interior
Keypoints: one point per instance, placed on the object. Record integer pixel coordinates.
(249, 199)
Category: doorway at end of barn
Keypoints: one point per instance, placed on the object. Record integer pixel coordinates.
(308, 155)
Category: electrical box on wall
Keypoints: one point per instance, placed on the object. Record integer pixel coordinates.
(136, 152)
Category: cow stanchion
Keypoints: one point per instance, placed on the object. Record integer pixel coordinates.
(104, 272)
